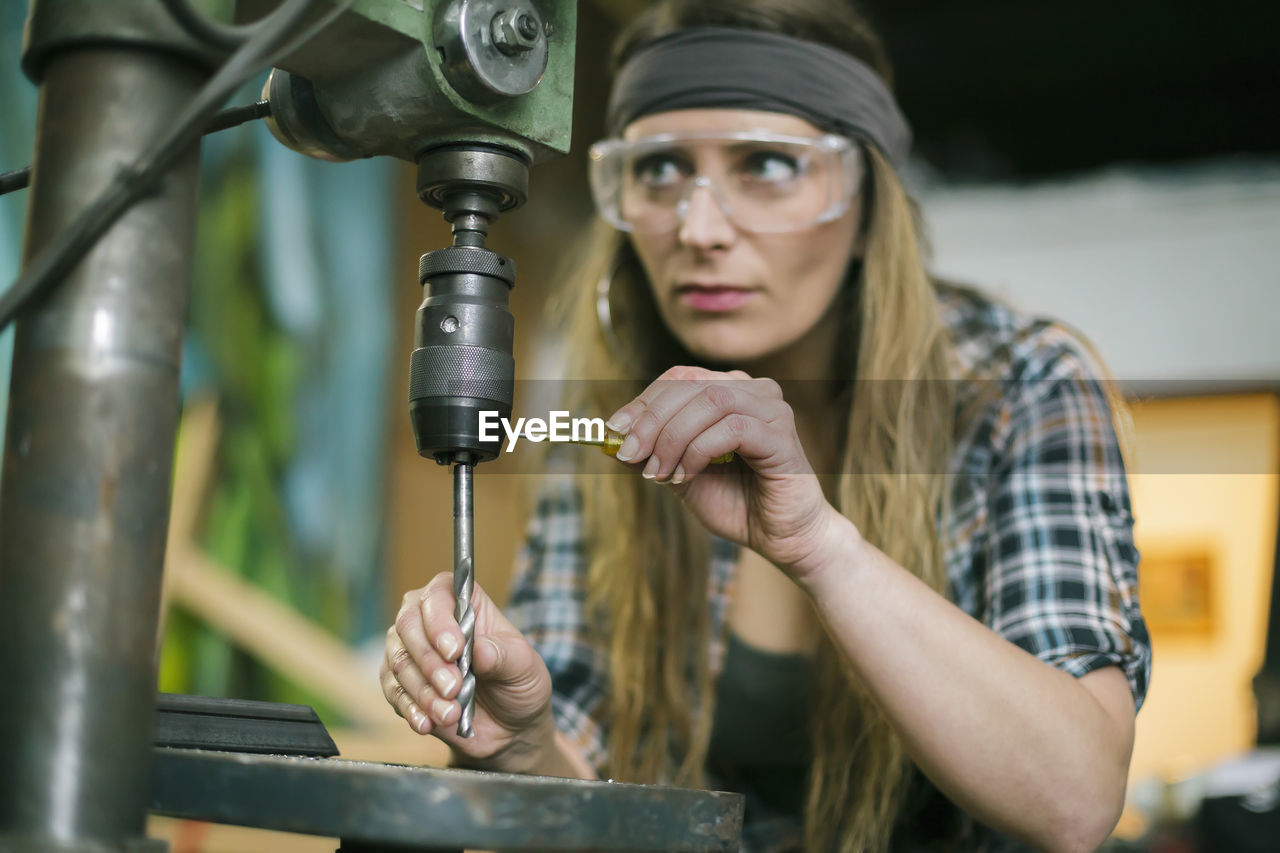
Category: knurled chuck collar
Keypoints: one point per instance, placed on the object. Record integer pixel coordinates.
(466, 259)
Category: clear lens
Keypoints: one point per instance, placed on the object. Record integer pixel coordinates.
(763, 182)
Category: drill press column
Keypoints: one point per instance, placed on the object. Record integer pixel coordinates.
(93, 411)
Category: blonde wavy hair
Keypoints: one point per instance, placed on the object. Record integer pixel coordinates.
(898, 438)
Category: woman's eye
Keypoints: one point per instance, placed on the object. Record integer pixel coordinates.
(658, 170)
(771, 167)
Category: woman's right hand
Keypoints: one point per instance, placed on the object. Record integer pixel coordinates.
(512, 727)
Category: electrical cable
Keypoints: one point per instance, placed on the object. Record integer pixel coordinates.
(15, 180)
(142, 178)
(234, 117)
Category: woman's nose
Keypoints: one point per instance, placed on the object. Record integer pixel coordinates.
(704, 223)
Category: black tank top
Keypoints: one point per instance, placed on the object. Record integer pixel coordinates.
(760, 736)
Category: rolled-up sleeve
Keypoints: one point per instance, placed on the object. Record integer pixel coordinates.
(1061, 563)
(547, 602)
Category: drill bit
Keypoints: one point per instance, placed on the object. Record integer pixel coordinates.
(612, 442)
(463, 586)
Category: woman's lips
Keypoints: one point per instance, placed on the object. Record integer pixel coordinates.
(713, 297)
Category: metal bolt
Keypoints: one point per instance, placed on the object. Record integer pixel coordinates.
(514, 31)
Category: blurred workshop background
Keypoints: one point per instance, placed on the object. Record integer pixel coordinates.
(1116, 165)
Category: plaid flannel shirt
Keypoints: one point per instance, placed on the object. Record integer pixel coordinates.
(1038, 540)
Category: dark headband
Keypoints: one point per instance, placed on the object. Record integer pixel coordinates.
(758, 70)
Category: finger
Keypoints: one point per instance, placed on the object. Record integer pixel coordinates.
(409, 631)
(408, 680)
(416, 671)
(766, 446)
(761, 386)
(436, 605)
(623, 419)
(658, 403)
(711, 405)
(402, 702)
(765, 387)
(440, 710)
(429, 710)
(414, 659)
(424, 680)
(506, 658)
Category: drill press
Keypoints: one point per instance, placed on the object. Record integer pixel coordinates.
(472, 91)
(499, 100)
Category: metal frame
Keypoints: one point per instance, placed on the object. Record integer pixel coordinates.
(433, 808)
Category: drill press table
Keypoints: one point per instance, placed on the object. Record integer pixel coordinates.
(383, 807)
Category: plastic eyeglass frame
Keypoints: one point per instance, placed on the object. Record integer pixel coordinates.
(841, 147)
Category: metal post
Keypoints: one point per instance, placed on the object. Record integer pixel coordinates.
(84, 499)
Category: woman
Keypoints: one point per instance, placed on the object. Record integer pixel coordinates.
(911, 597)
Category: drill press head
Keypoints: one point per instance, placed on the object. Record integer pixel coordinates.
(474, 92)
(462, 362)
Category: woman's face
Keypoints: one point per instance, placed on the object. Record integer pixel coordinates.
(732, 296)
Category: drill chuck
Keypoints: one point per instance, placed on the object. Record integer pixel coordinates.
(462, 362)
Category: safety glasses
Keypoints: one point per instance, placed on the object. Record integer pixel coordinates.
(762, 181)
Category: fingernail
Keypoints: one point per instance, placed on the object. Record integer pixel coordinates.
(628, 449)
(442, 708)
(448, 644)
(677, 476)
(420, 722)
(618, 422)
(651, 468)
(444, 680)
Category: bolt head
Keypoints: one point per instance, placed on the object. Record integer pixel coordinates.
(515, 31)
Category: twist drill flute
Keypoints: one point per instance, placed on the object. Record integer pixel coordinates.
(463, 586)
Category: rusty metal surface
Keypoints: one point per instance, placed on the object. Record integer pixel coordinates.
(424, 807)
(93, 410)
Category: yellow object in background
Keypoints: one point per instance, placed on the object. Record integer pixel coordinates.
(1205, 477)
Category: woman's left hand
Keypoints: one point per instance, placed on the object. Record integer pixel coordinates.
(769, 499)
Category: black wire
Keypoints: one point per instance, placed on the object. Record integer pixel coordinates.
(15, 180)
(237, 116)
(234, 117)
(268, 42)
